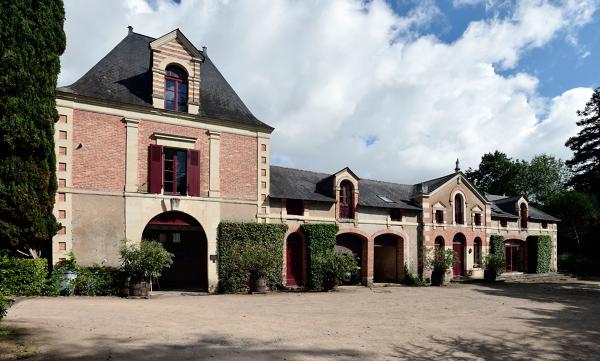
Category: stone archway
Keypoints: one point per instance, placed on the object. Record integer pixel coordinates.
(388, 258)
(459, 244)
(357, 245)
(183, 236)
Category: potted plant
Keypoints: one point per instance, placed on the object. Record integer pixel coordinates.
(493, 265)
(258, 262)
(141, 262)
(68, 271)
(334, 266)
(439, 261)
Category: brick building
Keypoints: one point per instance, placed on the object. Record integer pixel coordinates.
(152, 142)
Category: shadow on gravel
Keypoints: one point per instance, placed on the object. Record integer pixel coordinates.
(205, 348)
(570, 333)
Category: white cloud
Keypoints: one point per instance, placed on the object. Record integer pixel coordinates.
(328, 75)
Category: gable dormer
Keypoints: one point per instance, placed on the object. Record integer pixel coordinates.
(176, 73)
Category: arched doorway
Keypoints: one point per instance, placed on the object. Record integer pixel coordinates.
(346, 200)
(184, 237)
(294, 260)
(356, 244)
(458, 245)
(515, 254)
(388, 258)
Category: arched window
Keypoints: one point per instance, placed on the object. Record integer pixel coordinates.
(459, 209)
(439, 242)
(477, 252)
(176, 89)
(523, 215)
(346, 200)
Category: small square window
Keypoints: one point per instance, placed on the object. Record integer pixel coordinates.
(477, 219)
(503, 223)
(62, 150)
(62, 167)
(396, 215)
(62, 230)
(62, 134)
(263, 147)
(62, 197)
(62, 182)
(62, 119)
(263, 172)
(264, 185)
(62, 214)
(263, 160)
(439, 216)
(294, 207)
(544, 225)
(62, 246)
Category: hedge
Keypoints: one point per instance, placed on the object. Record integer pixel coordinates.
(233, 238)
(22, 276)
(542, 248)
(320, 238)
(497, 248)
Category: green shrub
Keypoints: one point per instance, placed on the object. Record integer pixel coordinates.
(237, 246)
(440, 260)
(98, 281)
(334, 267)
(22, 276)
(410, 279)
(144, 260)
(497, 248)
(4, 305)
(542, 248)
(320, 239)
(578, 264)
(493, 262)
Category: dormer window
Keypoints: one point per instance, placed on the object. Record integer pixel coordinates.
(176, 89)
(346, 200)
(523, 215)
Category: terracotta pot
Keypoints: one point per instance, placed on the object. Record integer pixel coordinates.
(437, 278)
(139, 288)
(489, 276)
(259, 285)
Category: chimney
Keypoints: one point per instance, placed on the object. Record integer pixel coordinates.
(130, 29)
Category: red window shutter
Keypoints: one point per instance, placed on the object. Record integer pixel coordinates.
(193, 173)
(156, 168)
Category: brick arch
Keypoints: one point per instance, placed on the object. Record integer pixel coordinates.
(398, 233)
(367, 252)
(177, 62)
(388, 266)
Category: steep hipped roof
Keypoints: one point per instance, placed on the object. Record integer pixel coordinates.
(124, 76)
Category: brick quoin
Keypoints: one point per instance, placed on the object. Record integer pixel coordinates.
(148, 128)
(238, 166)
(100, 163)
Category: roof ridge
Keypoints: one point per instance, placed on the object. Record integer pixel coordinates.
(438, 178)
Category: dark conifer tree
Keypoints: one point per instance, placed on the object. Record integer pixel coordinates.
(585, 163)
(31, 41)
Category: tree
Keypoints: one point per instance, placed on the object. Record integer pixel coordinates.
(498, 174)
(537, 179)
(585, 163)
(31, 42)
(578, 213)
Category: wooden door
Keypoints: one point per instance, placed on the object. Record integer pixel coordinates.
(294, 260)
(460, 258)
(513, 258)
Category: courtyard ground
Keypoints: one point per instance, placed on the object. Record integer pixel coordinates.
(549, 321)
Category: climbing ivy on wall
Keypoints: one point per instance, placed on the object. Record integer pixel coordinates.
(542, 248)
(497, 248)
(320, 238)
(234, 239)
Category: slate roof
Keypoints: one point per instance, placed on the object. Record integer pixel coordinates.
(505, 207)
(434, 184)
(292, 183)
(124, 76)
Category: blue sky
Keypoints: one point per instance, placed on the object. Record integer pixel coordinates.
(559, 65)
(394, 89)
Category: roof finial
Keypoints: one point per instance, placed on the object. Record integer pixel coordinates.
(130, 29)
(457, 169)
(204, 50)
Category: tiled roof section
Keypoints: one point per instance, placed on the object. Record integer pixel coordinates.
(291, 183)
(400, 194)
(537, 214)
(124, 76)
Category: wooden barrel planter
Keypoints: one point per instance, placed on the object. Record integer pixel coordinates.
(139, 288)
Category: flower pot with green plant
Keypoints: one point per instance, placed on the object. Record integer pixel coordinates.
(334, 266)
(258, 261)
(142, 262)
(493, 266)
(439, 262)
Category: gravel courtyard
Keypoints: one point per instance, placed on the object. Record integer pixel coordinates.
(503, 321)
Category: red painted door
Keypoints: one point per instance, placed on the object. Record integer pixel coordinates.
(457, 270)
(294, 258)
